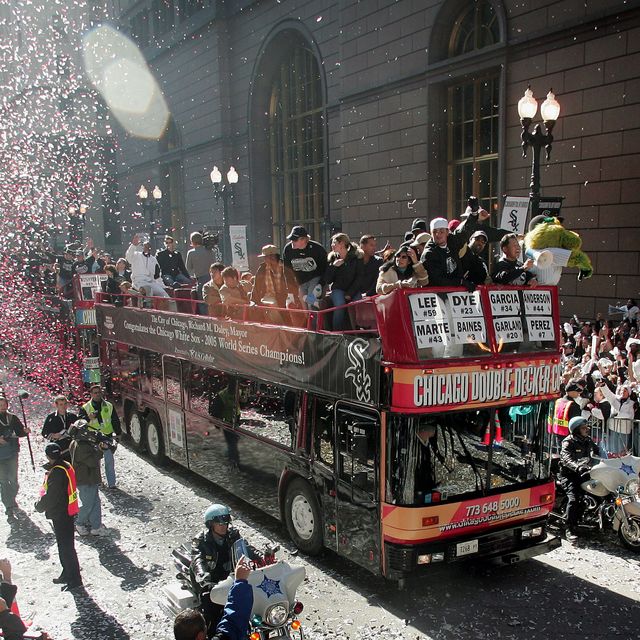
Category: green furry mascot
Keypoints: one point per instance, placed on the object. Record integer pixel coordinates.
(553, 247)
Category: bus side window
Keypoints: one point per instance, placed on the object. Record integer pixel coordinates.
(152, 367)
(323, 431)
(269, 411)
(357, 436)
(129, 367)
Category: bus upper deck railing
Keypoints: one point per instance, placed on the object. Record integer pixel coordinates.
(413, 325)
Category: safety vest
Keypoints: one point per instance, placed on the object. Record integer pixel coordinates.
(558, 423)
(72, 491)
(106, 410)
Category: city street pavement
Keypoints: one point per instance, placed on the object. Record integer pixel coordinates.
(590, 590)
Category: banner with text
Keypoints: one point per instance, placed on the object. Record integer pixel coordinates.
(334, 364)
(476, 386)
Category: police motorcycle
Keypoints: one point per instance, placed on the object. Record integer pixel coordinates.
(610, 500)
(274, 615)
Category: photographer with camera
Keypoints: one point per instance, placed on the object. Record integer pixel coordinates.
(102, 417)
(86, 450)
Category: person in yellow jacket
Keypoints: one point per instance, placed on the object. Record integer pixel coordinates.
(101, 416)
(564, 409)
(59, 501)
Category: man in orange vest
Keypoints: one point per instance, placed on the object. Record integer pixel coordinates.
(59, 501)
(565, 408)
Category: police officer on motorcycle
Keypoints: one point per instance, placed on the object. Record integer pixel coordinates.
(575, 464)
(211, 558)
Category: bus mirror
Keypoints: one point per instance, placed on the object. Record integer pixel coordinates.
(359, 447)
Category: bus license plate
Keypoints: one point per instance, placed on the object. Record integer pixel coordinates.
(465, 548)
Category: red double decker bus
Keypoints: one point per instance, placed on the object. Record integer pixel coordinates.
(419, 438)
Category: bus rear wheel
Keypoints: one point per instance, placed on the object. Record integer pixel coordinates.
(135, 429)
(153, 433)
(303, 517)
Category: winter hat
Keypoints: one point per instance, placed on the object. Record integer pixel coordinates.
(53, 451)
(454, 224)
(418, 225)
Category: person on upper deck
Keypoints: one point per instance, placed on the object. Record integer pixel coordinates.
(307, 259)
(371, 263)
(441, 256)
(509, 270)
(402, 271)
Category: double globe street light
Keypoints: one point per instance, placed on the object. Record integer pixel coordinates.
(549, 110)
(224, 191)
(153, 206)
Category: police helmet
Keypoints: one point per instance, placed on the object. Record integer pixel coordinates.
(576, 423)
(217, 514)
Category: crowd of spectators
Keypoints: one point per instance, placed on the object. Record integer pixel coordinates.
(601, 374)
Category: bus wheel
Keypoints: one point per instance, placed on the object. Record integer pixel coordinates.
(303, 518)
(155, 446)
(135, 429)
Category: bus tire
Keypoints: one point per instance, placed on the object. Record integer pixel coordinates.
(153, 438)
(135, 428)
(303, 517)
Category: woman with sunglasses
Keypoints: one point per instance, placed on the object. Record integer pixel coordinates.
(403, 271)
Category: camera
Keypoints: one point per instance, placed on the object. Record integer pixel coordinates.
(209, 239)
(82, 432)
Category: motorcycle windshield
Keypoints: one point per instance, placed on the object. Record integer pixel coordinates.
(448, 456)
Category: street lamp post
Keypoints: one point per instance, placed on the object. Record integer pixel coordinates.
(152, 205)
(550, 110)
(77, 219)
(224, 191)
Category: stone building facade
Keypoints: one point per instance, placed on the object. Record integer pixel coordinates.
(363, 115)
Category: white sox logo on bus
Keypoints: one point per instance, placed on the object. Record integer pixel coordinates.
(357, 372)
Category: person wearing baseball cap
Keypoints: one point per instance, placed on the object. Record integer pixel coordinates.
(305, 260)
(473, 264)
(441, 256)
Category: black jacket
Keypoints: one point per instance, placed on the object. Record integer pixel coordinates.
(10, 429)
(54, 423)
(307, 263)
(369, 276)
(211, 558)
(171, 263)
(55, 501)
(443, 264)
(576, 452)
(474, 268)
(111, 286)
(12, 627)
(347, 276)
(510, 272)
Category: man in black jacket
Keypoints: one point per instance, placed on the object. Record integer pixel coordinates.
(59, 503)
(307, 260)
(509, 270)
(56, 425)
(172, 267)
(473, 264)
(575, 463)
(441, 256)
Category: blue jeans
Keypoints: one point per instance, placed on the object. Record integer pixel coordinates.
(109, 467)
(90, 514)
(337, 299)
(170, 281)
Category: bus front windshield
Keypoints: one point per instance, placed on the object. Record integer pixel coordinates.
(447, 456)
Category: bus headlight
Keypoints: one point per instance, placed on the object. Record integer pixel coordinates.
(276, 615)
(536, 532)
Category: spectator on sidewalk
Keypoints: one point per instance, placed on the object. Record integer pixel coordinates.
(11, 429)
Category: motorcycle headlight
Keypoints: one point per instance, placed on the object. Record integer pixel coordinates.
(632, 487)
(276, 615)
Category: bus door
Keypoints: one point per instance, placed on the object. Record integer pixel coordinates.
(174, 423)
(358, 447)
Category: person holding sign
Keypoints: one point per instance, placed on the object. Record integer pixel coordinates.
(441, 256)
(509, 270)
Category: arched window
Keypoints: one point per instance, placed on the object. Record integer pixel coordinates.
(297, 147)
(473, 113)
(477, 27)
